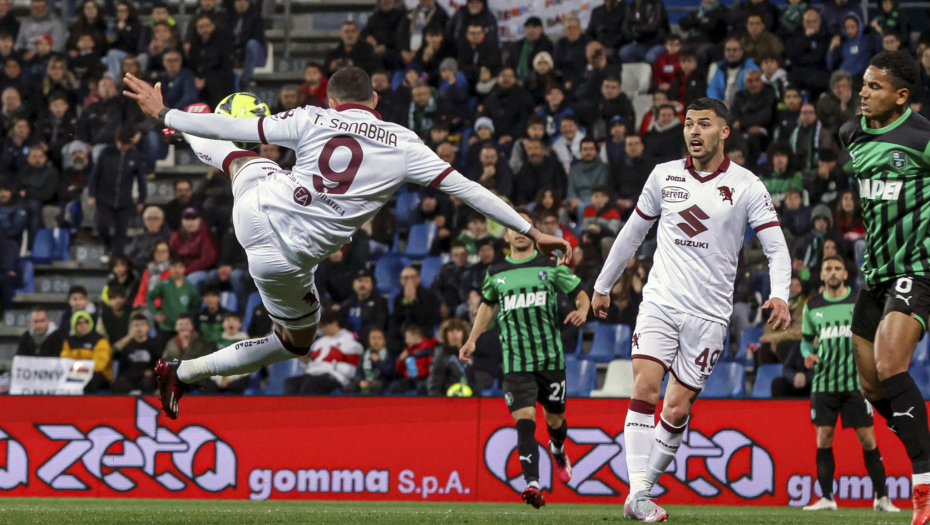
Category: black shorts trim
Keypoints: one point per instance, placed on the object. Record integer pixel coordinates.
(909, 295)
(525, 389)
(827, 407)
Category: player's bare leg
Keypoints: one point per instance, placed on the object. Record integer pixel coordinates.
(876, 469)
(639, 433)
(525, 420)
(864, 353)
(826, 467)
(558, 431)
(895, 340)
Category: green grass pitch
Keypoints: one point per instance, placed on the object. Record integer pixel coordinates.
(29, 511)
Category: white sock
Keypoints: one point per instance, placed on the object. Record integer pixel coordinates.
(638, 436)
(667, 440)
(920, 479)
(243, 357)
(212, 152)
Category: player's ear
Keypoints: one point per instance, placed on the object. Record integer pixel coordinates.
(333, 103)
(374, 100)
(725, 133)
(903, 95)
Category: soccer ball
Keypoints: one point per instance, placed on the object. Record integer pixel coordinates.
(459, 390)
(243, 105)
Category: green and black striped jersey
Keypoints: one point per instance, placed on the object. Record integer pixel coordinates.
(526, 292)
(893, 168)
(828, 323)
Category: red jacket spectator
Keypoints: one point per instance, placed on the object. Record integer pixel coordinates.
(422, 352)
(663, 71)
(569, 236)
(194, 243)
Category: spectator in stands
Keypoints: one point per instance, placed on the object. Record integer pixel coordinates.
(795, 379)
(835, 12)
(84, 343)
(43, 338)
(157, 269)
(209, 320)
(211, 59)
(809, 249)
(891, 19)
(232, 332)
(186, 343)
(484, 134)
(11, 278)
(493, 172)
(540, 171)
(57, 78)
(136, 355)
(382, 31)
(13, 218)
(665, 141)
(764, 8)
(111, 187)
(809, 137)
(567, 147)
(774, 75)
(628, 178)
(415, 304)
(7, 50)
(508, 105)
(852, 51)
(89, 22)
(38, 180)
(57, 127)
(570, 52)
(776, 344)
(758, 42)
(313, 89)
(411, 31)
(647, 25)
(840, 104)
(39, 21)
(524, 51)
(849, 223)
(779, 175)
(554, 109)
(447, 284)
(446, 369)
(433, 52)
(627, 294)
(332, 360)
(99, 121)
(535, 130)
(165, 38)
(789, 111)
(601, 220)
(659, 99)
(183, 198)
(753, 112)
(128, 37)
(13, 108)
(36, 67)
(248, 30)
(542, 76)
(795, 217)
(583, 176)
(17, 145)
(606, 24)
(473, 234)
(351, 51)
(334, 282)
(614, 149)
(612, 102)
(424, 110)
(667, 64)
(114, 317)
(208, 7)
(14, 78)
(216, 200)
(830, 181)
(196, 245)
(88, 61)
(789, 23)
(705, 29)
(477, 51)
(598, 69)
(690, 82)
(473, 12)
(123, 275)
(413, 363)
(288, 98)
(365, 311)
(8, 22)
(176, 294)
(139, 249)
(890, 42)
(806, 55)
(232, 271)
(730, 71)
(549, 222)
(375, 369)
(177, 85)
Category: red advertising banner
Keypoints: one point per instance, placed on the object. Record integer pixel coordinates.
(414, 449)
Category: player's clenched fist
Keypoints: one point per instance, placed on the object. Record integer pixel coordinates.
(600, 303)
(466, 351)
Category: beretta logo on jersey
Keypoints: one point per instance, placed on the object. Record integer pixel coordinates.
(675, 194)
(898, 159)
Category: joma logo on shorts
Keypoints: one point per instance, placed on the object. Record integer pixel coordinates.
(878, 189)
(524, 300)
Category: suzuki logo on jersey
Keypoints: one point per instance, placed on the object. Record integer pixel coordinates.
(675, 194)
(727, 193)
(693, 217)
(832, 332)
(524, 300)
(898, 159)
(878, 189)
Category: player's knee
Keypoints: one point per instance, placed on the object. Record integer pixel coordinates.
(824, 437)
(866, 439)
(871, 390)
(676, 414)
(647, 391)
(887, 366)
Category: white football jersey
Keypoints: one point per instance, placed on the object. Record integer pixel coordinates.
(349, 163)
(701, 228)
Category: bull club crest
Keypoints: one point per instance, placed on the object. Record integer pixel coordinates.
(726, 193)
(302, 196)
(898, 159)
(636, 340)
(543, 276)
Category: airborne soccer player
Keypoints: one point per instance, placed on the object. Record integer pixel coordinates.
(703, 204)
(525, 288)
(349, 163)
(828, 349)
(891, 158)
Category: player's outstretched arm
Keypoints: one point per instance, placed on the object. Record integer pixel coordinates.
(776, 250)
(482, 318)
(624, 248)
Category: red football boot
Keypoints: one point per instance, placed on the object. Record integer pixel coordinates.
(533, 496)
(170, 387)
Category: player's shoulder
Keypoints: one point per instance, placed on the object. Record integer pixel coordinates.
(817, 301)
(851, 130)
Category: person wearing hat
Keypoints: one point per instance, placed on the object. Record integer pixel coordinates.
(37, 66)
(40, 20)
(84, 342)
(453, 93)
(524, 51)
(365, 311)
(808, 250)
(542, 76)
(195, 244)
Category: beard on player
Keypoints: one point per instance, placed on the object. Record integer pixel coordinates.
(833, 282)
(703, 148)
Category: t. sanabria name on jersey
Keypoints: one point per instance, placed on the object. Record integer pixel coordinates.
(365, 129)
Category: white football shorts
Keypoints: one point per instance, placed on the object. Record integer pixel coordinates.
(287, 289)
(687, 346)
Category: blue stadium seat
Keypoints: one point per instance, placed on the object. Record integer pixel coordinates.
(764, 377)
(278, 372)
(747, 337)
(390, 299)
(580, 377)
(579, 211)
(750, 233)
(51, 244)
(254, 300)
(921, 355)
(921, 375)
(727, 381)
(430, 269)
(229, 301)
(387, 272)
(420, 240)
(494, 391)
(28, 270)
(611, 341)
(255, 384)
(406, 203)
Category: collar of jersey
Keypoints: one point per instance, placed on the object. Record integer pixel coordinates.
(689, 165)
(344, 107)
(889, 127)
(838, 299)
(528, 259)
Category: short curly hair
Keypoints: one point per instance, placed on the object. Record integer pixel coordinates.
(901, 66)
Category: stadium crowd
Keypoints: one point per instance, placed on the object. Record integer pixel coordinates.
(543, 122)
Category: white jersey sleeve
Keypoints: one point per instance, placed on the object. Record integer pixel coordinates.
(763, 219)
(649, 205)
(289, 128)
(761, 211)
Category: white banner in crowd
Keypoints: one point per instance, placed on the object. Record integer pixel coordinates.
(50, 375)
(512, 13)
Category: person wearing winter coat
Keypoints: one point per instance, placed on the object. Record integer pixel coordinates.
(247, 28)
(588, 173)
(646, 24)
(42, 339)
(110, 187)
(85, 343)
(472, 12)
(375, 368)
(853, 50)
(446, 369)
(728, 79)
(414, 362)
(523, 52)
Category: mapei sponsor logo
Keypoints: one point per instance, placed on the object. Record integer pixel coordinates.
(878, 189)
(832, 332)
(524, 300)
(717, 453)
(137, 457)
(675, 194)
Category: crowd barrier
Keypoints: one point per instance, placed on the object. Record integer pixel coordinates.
(412, 449)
